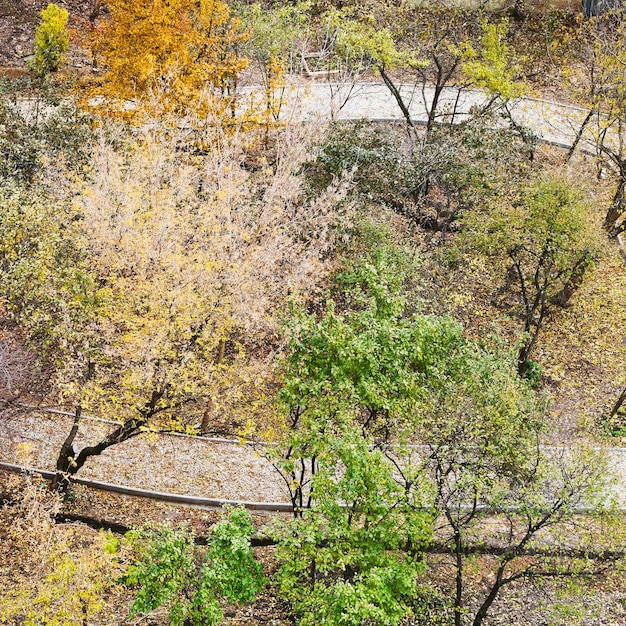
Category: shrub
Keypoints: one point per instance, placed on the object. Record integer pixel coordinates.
(51, 40)
(172, 570)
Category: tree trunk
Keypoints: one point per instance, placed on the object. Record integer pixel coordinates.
(207, 417)
(395, 92)
(70, 461)
(443, 76)
(618, 405)
(65, 460)
(574, 281)
(95, 11)
(458, 595)
(493, 594)
(579, 135)
(618, 206)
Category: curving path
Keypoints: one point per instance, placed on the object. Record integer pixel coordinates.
(552, 122)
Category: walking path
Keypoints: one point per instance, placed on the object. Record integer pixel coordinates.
(552, 122)
(196, 467)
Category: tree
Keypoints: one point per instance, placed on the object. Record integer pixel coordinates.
(400, 413)
(599, 53)
(355, 554)
(168, 55)
(545, 240)
(51, 40)
(355, 546)
(171, 570)
(598, 47)
(276, 40)
(151, 286)
(439, 53)
(496, 490)
(432, 50)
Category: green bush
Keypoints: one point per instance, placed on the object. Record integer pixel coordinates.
(51, 40)
(62, 137)
(363, 150)
(191, 580)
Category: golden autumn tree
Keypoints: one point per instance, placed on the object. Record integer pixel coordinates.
(157, 289)
(175, 54)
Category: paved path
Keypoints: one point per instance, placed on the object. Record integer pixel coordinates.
(551, 121)
(191, 466)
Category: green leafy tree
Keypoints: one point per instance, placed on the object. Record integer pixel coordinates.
(545, 241)
(350, 379)
(51, 40)
(376, 396)
(355, 555)
(172, 570)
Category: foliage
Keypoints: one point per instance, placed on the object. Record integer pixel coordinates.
(276, 42)
(171, 570)
(350, 377)
(363, 42)
(148, 287)
(276, 35)
(40, 139)
(46, 285)
(491, 69)
(73, 589)
(345, 561)
(424, 43)
(368, 154)
(367, 359)
(371, 376)
(51, 40)
(593, 59)
(168, 56)
(176, 292)
(61, 574)
(547, 241)
(462, 167)
(535, 495)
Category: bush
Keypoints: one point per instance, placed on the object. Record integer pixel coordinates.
(60, 137)
(51, 41)
(366, 151)
(172, 570)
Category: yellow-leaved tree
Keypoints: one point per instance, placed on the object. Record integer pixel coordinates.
(158, 288)
(167, 55)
